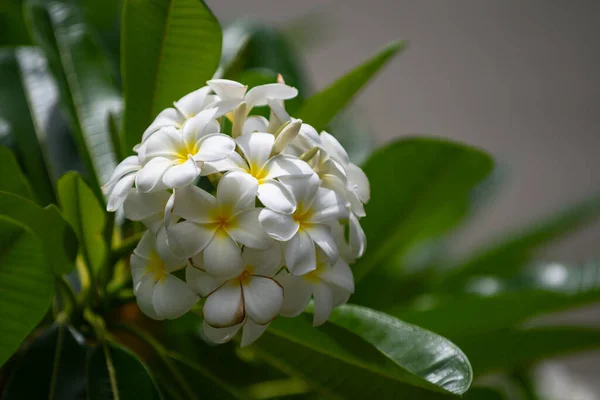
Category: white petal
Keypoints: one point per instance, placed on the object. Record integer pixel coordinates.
(246, 230)
(154, 222)
(233, 162)
(358, 239)
(125, 167)
(260, 95)
(214, 147)
(172, 262)
(276, 196)
(151, 174)
(339, 275)
(180, 175)
(328, 206)
(172, 297)
(225, 306)
(194, 204)
(334, 148)
(303, 187)
(263, 298)
(167, 117)
(197, 127)
(186, 239)
(222, 257)
(146, 247)
(324, 301)
(138, 268)
(237, 189)
(256, 147)
(322, 237)
(358, 182)
(300, 255)
(167, 142)
(340, 296)
(139, 206)
(356, 206)
(224, 106)
(120, 192)
(278, 115)
(308, 137)
(251, 332)
(287, 135)
(227, 89)
(279, 226)
(219, 335)
(192, 103)
(201, 282)
(285, 164)
(144, 291)
(264, 262)
(296, 294)
(255, 123)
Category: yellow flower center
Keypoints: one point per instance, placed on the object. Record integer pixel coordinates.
(183, 152)
(156, 267)
(303, 215)
(258, 172)
(223, 219)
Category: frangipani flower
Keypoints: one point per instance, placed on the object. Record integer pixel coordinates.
(176, 157)
(251, 300)
(307, 226)
(215, 226)
(329, 285)
(122, 179)
(149, 208)
(258, 164)
(159, 294)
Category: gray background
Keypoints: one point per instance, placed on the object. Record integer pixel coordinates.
(518, 78)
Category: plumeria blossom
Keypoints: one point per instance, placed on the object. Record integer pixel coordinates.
(159, 294)
(329, 285)
(175, 157)
(250, 300)
(256, 161)
(217, 226)
(307, 226)
(263, 214)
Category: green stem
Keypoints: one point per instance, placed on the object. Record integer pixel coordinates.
(163, 353)
(67, 296)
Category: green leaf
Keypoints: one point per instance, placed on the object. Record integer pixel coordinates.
(319, 109)
(366, 353)
(13, 31)
(510, 255)
(114, 372)
(481, 393)
(86, 216)
(508, 349)
(495, 303)
(420, 189)
(23, 81)
(13, 180)
(87, 89)
(60, 243)
(52, 367)
(26, 284)
(168, 49)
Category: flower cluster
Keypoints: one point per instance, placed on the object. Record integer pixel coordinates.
(254, 216)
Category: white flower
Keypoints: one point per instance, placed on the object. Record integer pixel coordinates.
(159, 294)
(258, 164)
(186, 107)
(251, 300)
(330, 286)
(149, 208)
(215, 226)
(122, 179)
(232, 93)
(307, 226)
(176, 157)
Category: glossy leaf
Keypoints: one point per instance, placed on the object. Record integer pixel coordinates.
(26, 284)
(481, 393)
(351, 356)
(52, 367)
(59, 241)
(435, 181)
(87, 89)
(508, 349)
(13, 180)
(495, 303)
(86, 216)
(168, 49)
(113, 372)
(320, 108)
(510, 255)
(21, 74)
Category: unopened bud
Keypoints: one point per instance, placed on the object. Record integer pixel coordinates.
(309, 154)
(286, 135)
(239, 118)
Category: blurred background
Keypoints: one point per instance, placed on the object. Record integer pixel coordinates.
(519, 79)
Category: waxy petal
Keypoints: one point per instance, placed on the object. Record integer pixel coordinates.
(225, 306)
(200, 281)
(328, 205)
(297, 292)
(227, 89)
(276, 196)
(194, 204)
(144, 292)
(214, 147)
(139, 206)
(279, 226)
(192, 103)
(180, 175)
(246, 229)
(256, 147)
(264, 262)
(238, 190)
(186, 239)
(120, 192)
(323, 238)
(151, 174)
(172, 298)
(260, 95)
(334, 148)
(167, 117)
(285, 164)
(324, 303)
(251, 332)
(223, 257)
(263, 298)
(300, 254)
(219, 335)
